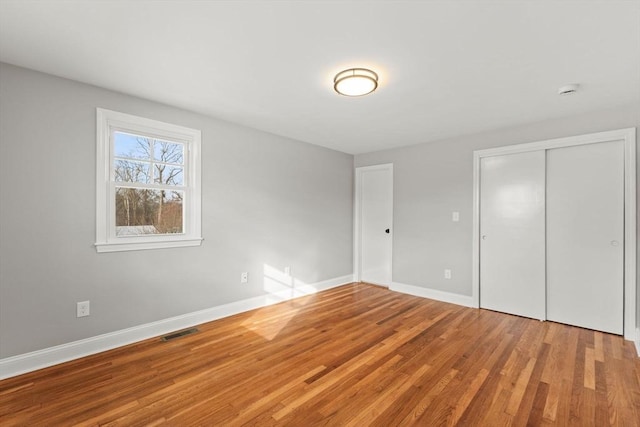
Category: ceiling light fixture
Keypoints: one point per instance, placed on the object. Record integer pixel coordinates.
(355, 82)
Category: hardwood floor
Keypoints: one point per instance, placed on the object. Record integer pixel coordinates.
(356, 355)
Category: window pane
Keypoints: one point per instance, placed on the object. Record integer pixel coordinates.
(168, 152)
(142, 212)
(131, 171)
(134, 146)
(167, 174)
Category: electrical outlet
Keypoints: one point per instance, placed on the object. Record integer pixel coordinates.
(83, 309)
(447, 274)
(244, 277)
(455, 216)
(287, 271)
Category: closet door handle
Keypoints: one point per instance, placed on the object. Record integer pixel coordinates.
(386, 231)
(614, 243)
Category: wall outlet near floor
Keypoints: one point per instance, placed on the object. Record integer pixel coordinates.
(447, 274)
(287, 271)
(244, 277)
(455, 216)
(83, 309)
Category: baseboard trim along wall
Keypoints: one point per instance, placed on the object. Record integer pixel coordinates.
(28, 362)
(443, 296)
(637, 341)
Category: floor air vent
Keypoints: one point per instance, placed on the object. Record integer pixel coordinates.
(179, 334)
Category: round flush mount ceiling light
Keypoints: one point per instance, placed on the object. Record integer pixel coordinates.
(355, 82)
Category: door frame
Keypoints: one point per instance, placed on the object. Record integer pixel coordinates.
(357, 223)
(629, 138)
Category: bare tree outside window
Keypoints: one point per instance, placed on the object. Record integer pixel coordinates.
(149, 176)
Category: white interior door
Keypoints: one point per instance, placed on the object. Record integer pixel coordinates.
(585, 236)
(512, 233)
(375, 196)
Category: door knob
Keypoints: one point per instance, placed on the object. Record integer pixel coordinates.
(484, 237)
(614, 243)
(386, 231)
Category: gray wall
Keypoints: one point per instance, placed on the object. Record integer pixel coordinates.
(432, 180)
(266, 200)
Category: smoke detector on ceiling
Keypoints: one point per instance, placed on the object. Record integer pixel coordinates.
(568, 89)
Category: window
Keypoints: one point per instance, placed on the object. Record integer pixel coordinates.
(148, 184)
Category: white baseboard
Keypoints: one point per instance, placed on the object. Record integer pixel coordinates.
(637, 342)
(28, 362)
(443, 296)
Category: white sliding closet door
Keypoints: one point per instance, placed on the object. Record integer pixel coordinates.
(512, 233)
(585, 235)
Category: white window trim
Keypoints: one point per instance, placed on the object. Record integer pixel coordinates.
(106, 241)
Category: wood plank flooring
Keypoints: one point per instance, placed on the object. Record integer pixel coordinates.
(356, 355)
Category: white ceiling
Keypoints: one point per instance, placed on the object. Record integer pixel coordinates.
(447, 68)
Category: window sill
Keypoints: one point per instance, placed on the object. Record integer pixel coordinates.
(138, 246)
